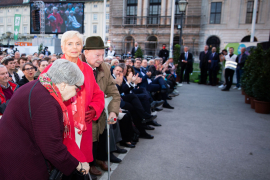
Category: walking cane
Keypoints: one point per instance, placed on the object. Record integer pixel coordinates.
(107, 102)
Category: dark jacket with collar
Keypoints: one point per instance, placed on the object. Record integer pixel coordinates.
(243, 60)
(189, 64)
(124, 88)
(16, 76)
(23, 81)
(164, 54)
(204, 57)
(142, 74)
(214, 61)
(133, 51)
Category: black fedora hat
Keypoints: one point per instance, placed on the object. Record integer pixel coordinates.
(94, 42)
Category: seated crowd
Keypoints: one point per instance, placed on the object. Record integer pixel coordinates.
(139, 89)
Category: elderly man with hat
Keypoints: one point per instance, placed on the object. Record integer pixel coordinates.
(94, 53)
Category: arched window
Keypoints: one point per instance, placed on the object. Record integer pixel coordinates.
(213, 41)
(151, 46)
(128, 44)
(247, 39)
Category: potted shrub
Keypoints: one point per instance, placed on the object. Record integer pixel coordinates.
(176, 56)
(261, 88)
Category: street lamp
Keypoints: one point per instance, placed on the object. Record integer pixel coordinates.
(8, 33)
(182, 8)
(193, 44)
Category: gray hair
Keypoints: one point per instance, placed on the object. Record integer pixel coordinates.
(55, 8)
(152, 60)
(71, 12)
(64, 71)
(2, 66)
(69, 35)
(122, 65)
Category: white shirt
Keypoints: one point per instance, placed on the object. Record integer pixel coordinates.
(20, 73)
(74, 21)
(111, 53)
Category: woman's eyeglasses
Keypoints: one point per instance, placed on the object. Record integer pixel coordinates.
(29, 69)
(78, 88)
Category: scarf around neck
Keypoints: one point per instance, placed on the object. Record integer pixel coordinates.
(54, 92)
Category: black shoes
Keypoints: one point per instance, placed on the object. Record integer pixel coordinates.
(154, 123)
(114, 159)
(151, 118)
(146, 136)
(155, 104)
(127, 145)
(168, 98)
(225, 89)
(147, 127)
(120, 151)
(168, 106)
(158, 109)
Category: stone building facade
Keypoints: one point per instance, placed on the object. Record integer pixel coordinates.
(148, 22)
(233, 22)
(212, 22)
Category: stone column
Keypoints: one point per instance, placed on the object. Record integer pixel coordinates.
(163, 12)
(169, 12)
(139, 12)
(145, 11)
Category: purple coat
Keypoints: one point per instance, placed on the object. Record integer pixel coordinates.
(24, 142)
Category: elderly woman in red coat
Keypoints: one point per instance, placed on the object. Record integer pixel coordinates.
(86, 106)
(33, 127)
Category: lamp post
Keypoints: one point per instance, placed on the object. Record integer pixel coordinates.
(193, 44)
(182, 8)
(8, 33)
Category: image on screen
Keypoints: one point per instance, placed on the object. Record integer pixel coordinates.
(59, 18)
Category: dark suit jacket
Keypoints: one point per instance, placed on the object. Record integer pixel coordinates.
(124, 88)
(204, 59)
(133, 51)
(243, 60)
(189, 63)
(214, 61)
(144, 77)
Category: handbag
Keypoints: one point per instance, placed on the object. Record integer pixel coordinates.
(54, 174)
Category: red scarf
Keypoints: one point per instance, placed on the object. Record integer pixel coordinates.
(54, 92)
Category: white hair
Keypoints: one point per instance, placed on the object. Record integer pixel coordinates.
(64, 71)
(70, 34)
(71, 12)
(55, 8)
(113, 61)
(152, 60)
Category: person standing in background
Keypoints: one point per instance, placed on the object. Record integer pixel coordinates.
(204, 56)
(241, 59)
(185, 60)
(213, 66)
(163, 53)
(134, 49)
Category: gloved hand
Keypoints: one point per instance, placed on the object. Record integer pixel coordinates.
(90, 114)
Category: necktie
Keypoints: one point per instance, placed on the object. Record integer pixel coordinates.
(95, 73)
(186, 56)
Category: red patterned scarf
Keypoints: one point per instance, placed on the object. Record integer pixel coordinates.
(54, 92)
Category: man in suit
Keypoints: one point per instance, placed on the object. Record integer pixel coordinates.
(204, 57)
(185, 60)
(134, 49)
(213, 66)
(241, 59)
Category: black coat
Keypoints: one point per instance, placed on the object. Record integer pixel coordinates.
(189, 65)
(133, 51)
(17, 78)
(243, 60)
(23, 81)
(214, 61)
(204, 59)
(164, 54)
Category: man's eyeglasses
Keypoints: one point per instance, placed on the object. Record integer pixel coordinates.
(78, 88)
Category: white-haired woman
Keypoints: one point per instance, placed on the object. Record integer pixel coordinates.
(73, 21)
(114, 63)
(40, 126)
(56, 24)
(86, 106)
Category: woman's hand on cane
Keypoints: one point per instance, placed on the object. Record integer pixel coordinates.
(83, 168)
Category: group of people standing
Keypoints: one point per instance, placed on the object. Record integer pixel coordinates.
(209, 65)
(58, 121)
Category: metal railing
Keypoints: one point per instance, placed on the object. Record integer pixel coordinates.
(188, 21)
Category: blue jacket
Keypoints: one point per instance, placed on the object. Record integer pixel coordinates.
(214, 61)
(142, 74)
